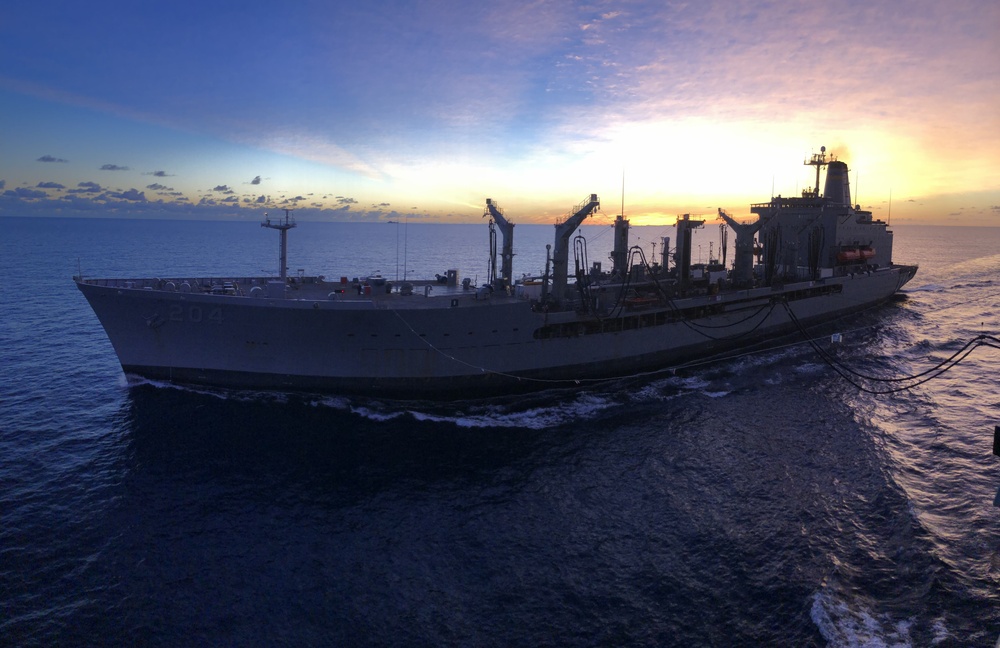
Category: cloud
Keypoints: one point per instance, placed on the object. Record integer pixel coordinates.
(49, 158)
(86, 187)
(315, 147)
(346, 201)
(22, 192)
(3, 183)
(50, 185)
(158, 174)
(132, 194)
(113, 167)
(222, 188)
(156, 186)
(255, 181)
(26, 201)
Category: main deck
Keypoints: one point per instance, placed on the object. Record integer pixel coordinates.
(380, 292)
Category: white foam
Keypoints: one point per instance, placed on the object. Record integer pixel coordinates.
(810, 368)
(332, 402)
(926, 288)
(377, 415)
(657, 386)
(695, 383)
(536, 418)
(941, 633)
(846, 627)
(222, 394)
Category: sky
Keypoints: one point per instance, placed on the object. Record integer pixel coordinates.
(387, 109)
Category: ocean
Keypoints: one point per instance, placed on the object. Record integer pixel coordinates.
(761, 500)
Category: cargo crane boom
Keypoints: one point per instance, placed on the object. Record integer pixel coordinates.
(507, 250)
(560, 251)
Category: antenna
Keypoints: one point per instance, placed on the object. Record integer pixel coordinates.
(857, 183)
(282, 226)
(819, 161)
(888, 219)
(623, 192)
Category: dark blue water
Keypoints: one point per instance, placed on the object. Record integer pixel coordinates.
(757, 501)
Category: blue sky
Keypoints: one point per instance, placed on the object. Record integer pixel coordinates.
(221, 109)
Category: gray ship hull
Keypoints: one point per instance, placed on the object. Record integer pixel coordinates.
(457, 343)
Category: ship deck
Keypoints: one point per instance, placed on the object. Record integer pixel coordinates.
(427, 293)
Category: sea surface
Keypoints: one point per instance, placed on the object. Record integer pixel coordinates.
(761, 500)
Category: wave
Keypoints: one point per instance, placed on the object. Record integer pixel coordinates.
(541, 410)
(846, 626)
(536, 418)
(934, 288)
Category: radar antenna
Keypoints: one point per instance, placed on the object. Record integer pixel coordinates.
(282, 226)
(819, 161)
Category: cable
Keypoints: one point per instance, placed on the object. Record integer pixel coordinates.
(846, 372)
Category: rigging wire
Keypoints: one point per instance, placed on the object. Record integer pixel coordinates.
(849, 374)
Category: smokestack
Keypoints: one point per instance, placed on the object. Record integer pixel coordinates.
(838, 186)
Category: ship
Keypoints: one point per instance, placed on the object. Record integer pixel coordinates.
(799, 262)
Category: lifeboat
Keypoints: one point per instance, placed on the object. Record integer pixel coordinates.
(849, 255)
(637, 302)
(855, 254)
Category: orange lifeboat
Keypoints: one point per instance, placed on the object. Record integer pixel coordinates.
(856, 254)
(849, 255)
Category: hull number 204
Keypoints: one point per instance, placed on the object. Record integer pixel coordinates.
(193, 313)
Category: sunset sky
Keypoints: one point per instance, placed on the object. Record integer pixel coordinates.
(383, 109)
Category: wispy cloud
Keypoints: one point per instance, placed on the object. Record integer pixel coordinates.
(113, 167)
(315, 146)
(51, 158)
